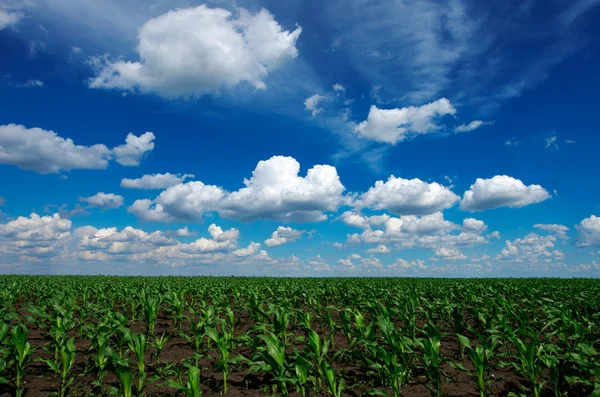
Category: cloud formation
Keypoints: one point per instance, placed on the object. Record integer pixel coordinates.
(189, 52)
(105, 201)
(407, 197)
(275, 191)
(396, 125)
(155, 181)
(283, 235)
(43, 151)
(501, 191)
(588, 232)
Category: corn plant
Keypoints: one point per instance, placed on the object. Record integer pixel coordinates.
(21, 353)
(335, 383)
(151, 309)
(192, 386)
(125, 377)
(528, 359)
(480, 356)
(431, 359)
(270, 357)
(63, 366)
(137, 344)
(223, 340)
(159, 344)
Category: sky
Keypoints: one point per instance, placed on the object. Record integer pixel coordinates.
(300, 138)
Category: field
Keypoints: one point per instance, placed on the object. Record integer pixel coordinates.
(166, 336)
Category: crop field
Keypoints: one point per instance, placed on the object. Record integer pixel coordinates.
(193, 336)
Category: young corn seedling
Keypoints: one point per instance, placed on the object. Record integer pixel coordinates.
(335, 386)
(192, 387)
(63, 366)
(137, 344)
(159, 344)
(431, 359)
(125, 377)
(480, 356)
(21, 355)
(270, 356)
(393, 361)
(528, 363)
(151, 309)
(223, 342)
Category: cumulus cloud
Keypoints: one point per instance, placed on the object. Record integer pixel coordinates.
(8, 18)
(448, 254)
(251, 249)
(35, 236)
(588, 232)
(473, 125)
(501, 191)
(532, 249)
(189, 52)
(338, 87)
(283, 235)
(155, 181)
(43, 151)
(275, 191)
(396, 125)
(105, 201)
(559, 230)
(407, 197)
(380, 249)
(134, 149)
(472, 224)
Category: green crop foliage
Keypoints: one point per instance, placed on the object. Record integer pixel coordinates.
(282, 335)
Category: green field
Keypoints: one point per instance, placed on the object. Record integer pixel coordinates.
(165, 336)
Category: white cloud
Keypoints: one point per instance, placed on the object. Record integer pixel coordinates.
(408, 196)
(589, 232)
(103, 200)
(531, 250)
(134, 149)
(251, 249)
(283, 235)
(275, 191)
(559, 230)
(501, 191)
(402, 264)
(512, 142)
(155, 181)
(193, 51)
(473, 125)
(396, 125)
(183, 232)
(449, 254)
(338, 87)
(36, 236)
(311, 104)
(8, 18)
(43, 151)
(31, 83)
(472, 224)
(380, 249)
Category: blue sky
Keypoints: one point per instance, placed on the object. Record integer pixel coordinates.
(300, 138)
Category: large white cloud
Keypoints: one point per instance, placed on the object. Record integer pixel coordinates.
(43, 151)
(396, 125)
(155, 181)
(407, 197)
(105, 201)
(501, 191)
(199, 50)
(34, 235)
(283, 235)
(589, 232)
(275, 191)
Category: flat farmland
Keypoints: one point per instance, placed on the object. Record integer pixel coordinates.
(193, 336)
